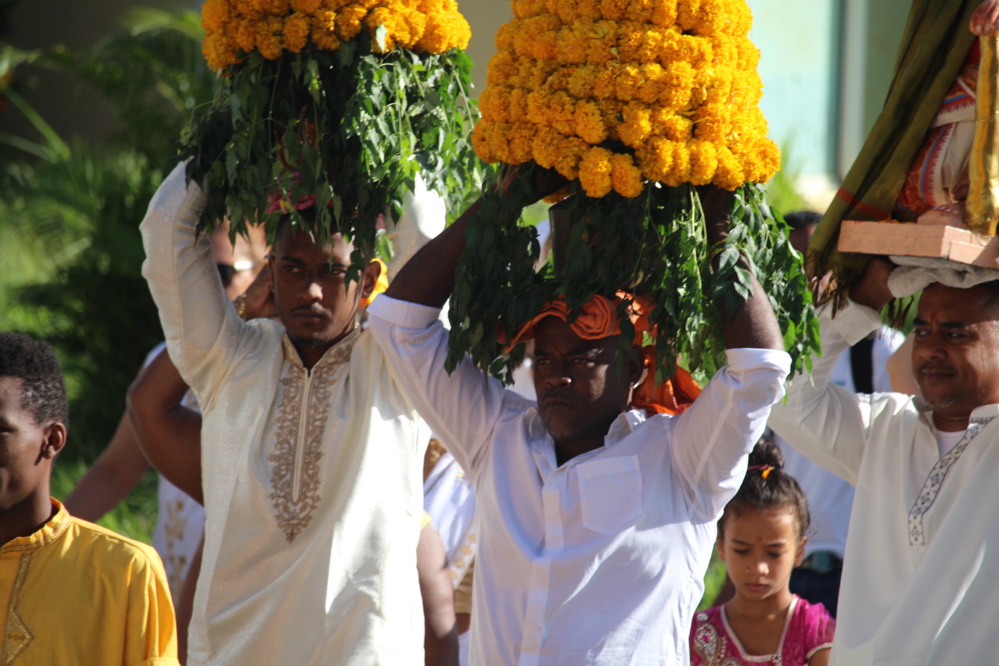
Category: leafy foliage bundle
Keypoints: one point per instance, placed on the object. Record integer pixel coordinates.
(653, 244)
(351, 126)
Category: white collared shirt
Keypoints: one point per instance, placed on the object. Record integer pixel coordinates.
(601, 560)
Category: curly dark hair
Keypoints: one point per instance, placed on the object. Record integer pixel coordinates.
(43, 391)
(767, 486)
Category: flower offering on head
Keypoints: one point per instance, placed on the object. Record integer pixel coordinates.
(235, 28)
(614, 92)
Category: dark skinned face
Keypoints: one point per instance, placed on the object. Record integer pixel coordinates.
(580, 392)
(956, 352)
(314, 302)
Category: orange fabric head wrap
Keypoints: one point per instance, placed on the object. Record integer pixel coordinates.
(598, 318)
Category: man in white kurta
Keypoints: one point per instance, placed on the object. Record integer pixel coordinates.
(921, 557)
(312, 477)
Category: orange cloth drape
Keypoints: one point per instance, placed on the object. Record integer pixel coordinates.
(598, 318)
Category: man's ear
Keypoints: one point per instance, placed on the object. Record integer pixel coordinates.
(55, 439)
(370, 278)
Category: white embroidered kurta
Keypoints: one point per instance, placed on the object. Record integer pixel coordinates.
(312, 480)
(600, 560)
(922, 555)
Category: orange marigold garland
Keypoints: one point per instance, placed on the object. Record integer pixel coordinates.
(345, 101)
(670, 84)
(639, 104)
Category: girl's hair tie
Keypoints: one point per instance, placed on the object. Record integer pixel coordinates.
(764, 470)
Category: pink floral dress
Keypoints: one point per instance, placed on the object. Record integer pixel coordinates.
(807, 629)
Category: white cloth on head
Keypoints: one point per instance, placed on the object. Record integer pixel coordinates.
(600, 560)
(312, 478)
(919, 571)
(916, 273)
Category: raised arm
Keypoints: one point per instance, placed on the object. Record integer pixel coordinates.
(753, 325)
(199, 322)
(168, 432)
(824, 421)
(713, 437)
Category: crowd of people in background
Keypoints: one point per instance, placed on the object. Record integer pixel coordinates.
(362, 505)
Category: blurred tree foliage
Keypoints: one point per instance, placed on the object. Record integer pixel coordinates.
(70, 251)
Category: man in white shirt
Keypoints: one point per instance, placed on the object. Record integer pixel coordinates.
(311, 454)
(596, 522)
(920, 561)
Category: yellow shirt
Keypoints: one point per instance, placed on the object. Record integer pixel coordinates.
(75, 593)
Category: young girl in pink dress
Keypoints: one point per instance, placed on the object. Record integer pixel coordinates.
(761, 537)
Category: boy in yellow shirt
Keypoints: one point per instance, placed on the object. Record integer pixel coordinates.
(70, 592)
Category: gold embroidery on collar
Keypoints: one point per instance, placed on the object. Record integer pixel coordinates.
(17, 635)
(295, 477)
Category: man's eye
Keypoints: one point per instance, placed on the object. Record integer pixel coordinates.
(291, 268)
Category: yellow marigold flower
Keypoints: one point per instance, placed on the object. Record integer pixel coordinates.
(688, 15)
(520, 144)
(614, 9)
(595, 172)
(545, 146)
(664, 13)
(639, 11)
(245, 34)
(581, 82)
(605, 83)
(269, 41)
(570, 151)
(655, 158)
(214, 14)
(654, 83)
(324, 30)
(504, 39)
(502, 67)
(305, 6)
(493, 104)
(729, 174)
(517, 105)
(480, 142)
(637, 125)
(628, 79)
(703, 161)
(296, 32)
(679, 171)
(625, 176)
(348, 22)
(590, 123)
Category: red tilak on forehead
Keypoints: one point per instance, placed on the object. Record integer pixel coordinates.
(934, 318)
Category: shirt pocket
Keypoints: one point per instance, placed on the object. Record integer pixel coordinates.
(610, 493)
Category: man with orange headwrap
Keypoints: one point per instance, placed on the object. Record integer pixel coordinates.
(596, 518)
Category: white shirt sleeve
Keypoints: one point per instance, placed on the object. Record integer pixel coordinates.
(461, 408)
(824, 421)
(200, 324)
(713, 437)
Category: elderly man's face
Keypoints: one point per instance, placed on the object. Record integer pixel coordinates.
(956, 353)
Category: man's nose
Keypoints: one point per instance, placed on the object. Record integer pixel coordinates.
(313, 291)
